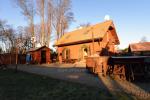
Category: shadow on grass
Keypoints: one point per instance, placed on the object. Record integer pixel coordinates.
(132, 89)
(25, 86)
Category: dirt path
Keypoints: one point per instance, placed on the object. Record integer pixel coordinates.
(64, 72)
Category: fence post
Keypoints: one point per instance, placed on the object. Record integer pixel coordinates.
(16, 68)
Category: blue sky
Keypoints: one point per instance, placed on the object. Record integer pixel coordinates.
(131, 17)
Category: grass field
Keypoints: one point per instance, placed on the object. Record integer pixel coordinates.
(25, 86)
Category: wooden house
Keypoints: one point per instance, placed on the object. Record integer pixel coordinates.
(142, 49)
(40, 55)
(97, 39)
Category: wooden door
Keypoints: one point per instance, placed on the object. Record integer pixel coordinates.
(43, 56)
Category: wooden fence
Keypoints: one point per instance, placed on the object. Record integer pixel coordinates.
(11, 58)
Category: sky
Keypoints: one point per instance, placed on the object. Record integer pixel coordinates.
(131, 17)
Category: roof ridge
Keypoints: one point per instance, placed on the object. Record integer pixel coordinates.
(90, 26)
(138, 43)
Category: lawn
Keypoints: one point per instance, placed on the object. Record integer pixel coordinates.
(25, 86)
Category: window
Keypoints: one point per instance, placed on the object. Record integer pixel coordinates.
(66, 53)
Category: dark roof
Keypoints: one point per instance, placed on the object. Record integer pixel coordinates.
(36, 49)
(145, 46)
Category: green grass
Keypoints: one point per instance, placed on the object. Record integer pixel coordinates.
(25, 86)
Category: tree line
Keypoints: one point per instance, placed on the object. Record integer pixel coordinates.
(55, 17)
(10, 39)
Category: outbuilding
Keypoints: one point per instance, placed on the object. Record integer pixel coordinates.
(40, 55)
(140, 49)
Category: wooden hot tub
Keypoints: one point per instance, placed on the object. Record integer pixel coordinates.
(97, 64)
(124, 67)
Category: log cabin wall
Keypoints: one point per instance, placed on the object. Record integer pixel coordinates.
(76, 51)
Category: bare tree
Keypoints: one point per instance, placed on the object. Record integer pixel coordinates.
(7, 35)
(63, 16)
(55, 16)
(27, 9)
(21, 38)
(45, 11)
(50, 11)
(38, 32)
(143, 39)
(13, 39)
(41, 13)
(3, 38)
(84, 25)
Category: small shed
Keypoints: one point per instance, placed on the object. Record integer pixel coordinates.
(40, 55)
(140, 48)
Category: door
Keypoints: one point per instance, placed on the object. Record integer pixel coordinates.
(43, 56)
(84, 53)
